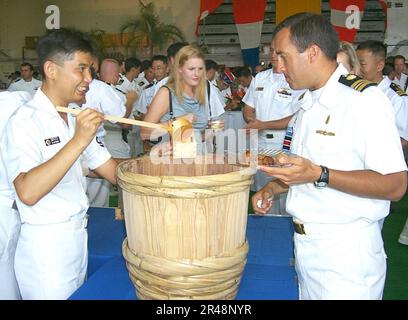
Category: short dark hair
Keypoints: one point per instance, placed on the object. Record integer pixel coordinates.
(59, 45)
(210, 64)
(146, 64)
(160, 57)
(174, 48)
(26, 64)
(243, 72)
(388, 68)
(132, 63)
(376, 47)
(399, 57)
(307, 29)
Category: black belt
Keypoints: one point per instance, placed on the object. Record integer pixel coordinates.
(299, 227)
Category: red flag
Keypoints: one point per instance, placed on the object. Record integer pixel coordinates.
(249, 16)
(206, 7)
(249, 11)
(343, 16)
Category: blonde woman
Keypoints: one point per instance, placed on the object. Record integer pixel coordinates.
(183, 96)
(348, 58)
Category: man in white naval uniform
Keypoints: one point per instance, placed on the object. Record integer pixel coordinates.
(399, 66)
(9, 217)
(160, 69)
(110, 101)
(372, 59)
(45, 152)
(269, 98)
(27, 82)
(347, 166)
(127, 84)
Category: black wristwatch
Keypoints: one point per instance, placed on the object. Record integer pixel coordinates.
(323, 181)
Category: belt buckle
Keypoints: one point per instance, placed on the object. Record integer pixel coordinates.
(299, 228)
(85, 221)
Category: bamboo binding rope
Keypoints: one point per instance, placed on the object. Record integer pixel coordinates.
(212, 278)
(186, 228)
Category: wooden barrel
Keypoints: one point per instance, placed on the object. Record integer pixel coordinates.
(186, 227)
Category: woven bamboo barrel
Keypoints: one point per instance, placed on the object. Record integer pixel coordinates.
(186, 228)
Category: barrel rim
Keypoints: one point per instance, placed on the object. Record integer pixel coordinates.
(177, 181)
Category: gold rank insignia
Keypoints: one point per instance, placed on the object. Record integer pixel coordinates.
(355, 82)
(325, 133)
(397, 89)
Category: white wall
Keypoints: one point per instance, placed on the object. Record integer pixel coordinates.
(21, 18)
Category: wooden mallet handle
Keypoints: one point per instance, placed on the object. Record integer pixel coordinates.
(119, 119)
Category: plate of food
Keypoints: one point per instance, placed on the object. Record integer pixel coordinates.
(266, 157)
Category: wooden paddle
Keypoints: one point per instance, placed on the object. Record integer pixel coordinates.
(184, 146)
(119, 119)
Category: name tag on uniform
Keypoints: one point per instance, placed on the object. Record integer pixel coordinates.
(283, 92)
(259, 88)
(52, 141)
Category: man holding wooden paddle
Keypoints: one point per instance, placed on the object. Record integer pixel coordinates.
(46, 153)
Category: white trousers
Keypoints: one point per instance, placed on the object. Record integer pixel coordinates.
(51, 260)
(9, 231)
(337, 262)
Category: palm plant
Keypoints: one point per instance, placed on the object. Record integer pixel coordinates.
(147, 31)
(99, 37)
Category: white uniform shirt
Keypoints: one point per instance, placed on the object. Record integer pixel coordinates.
(34, 135)
(400, 105)
(365, 138)
(9, 103)
(125, 85)
(104, 98)
(217, 103)
(401, 81)
(145, 98)
(22, 85)
(271, 97)
(140, 84)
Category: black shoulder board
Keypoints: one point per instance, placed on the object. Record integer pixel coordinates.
(355, 82)
(301, 96)
(141, 83)
(397, 89)
(149, 86)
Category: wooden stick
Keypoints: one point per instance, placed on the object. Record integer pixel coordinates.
(119, 119)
